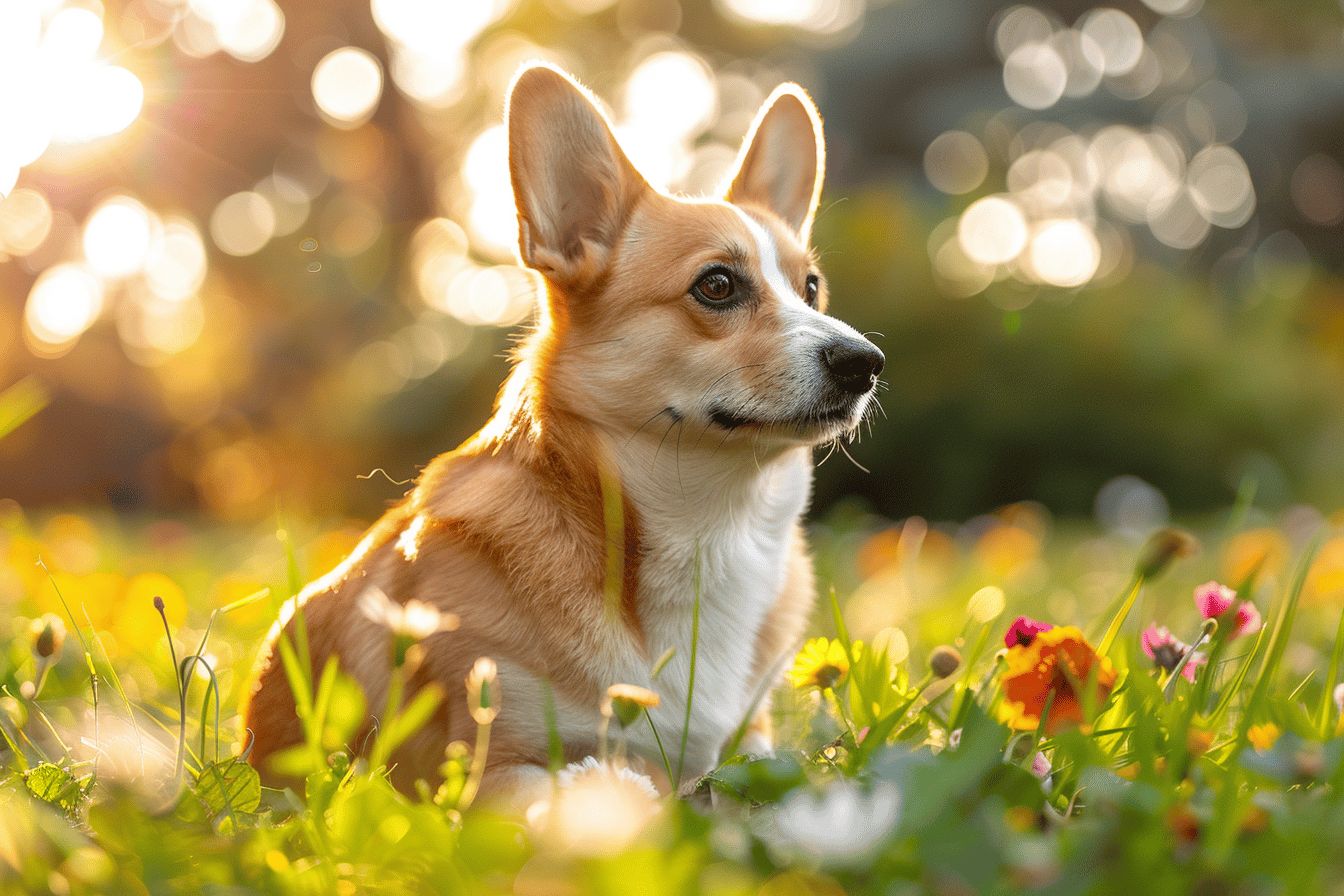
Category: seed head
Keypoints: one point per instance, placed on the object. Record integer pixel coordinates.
(48, 634)
(1165, 546)
(944, 660)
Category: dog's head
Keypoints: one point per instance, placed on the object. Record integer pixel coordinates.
(705, 313)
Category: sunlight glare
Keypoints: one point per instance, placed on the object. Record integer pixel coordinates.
(117, 236)
(672, 93)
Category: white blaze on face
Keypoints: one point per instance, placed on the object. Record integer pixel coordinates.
(807, 328)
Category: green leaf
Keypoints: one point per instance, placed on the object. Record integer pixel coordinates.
(54, 785)
(229, 786)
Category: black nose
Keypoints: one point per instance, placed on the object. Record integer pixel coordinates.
(854, 363)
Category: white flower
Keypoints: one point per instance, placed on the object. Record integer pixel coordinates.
(415, 619)
(590, 767)
(841, 825)
(1339, 696)
(598, 808)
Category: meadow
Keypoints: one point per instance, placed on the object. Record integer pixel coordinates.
(1011, 704)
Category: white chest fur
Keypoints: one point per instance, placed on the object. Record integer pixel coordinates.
(722, 543)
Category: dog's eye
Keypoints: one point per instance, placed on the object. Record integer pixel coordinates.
(812, 290)
(716, 287)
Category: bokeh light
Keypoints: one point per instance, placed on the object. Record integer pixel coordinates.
(242, 223)
(1035, 76)
(117, 237)
(993, 230)
(347, 84)
(64, 302)
(1118, 37)
(176, 263)
(956, 162)
(25, 221)
(1065, 253)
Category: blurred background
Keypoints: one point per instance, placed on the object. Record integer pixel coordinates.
(251, 249)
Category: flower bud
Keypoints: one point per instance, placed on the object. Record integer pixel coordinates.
(628, 702)
(483, 691)
(944, 661)
(1165, 546)
(48, 634)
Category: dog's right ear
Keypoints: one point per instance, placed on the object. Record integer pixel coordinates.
(572, 184)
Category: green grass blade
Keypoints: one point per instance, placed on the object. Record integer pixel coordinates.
(20, 403)
(1324, 715)
(690, 683)
(1121, 614)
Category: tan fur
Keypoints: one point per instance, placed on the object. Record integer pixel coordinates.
(513, 536)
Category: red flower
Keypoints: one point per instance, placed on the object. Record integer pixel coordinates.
(1024, 630)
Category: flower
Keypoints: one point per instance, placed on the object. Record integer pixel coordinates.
(1248, 620)
(1215, 600)
(1023, 631)
(483, 691)
(844, 824)
(1041, 768)
(1263, 737)
(48, 633)
(598, 808)
(414, 619)
(1339, 696)
(944, 661)
(1056, 662)
(1166, 650)
(821, 664)
(410, 623)
(628, 701)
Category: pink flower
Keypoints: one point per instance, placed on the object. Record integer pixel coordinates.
(1024, 630)
(1040, 766)
(1248, 620)
(1214, 599)
(1166, 650)
(1339, 696)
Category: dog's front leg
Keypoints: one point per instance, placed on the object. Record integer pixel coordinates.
(513, 789)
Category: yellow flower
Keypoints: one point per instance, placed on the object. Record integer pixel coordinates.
(627, 701)
(1059, 661)
(1263, 737)
(821, 663)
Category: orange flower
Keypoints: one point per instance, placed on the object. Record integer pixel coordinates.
(1058, 661)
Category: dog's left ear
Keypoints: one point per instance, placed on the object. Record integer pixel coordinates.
(783, 159)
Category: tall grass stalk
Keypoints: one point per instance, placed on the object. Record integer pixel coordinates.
(84, 646)
(690, 683)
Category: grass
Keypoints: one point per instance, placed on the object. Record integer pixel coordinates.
(904, 763)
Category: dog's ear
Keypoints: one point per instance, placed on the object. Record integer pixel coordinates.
(572, 184)
(783, 159)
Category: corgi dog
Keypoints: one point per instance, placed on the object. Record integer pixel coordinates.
(638, 492)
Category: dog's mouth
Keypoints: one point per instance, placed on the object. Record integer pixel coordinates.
(824, 416)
